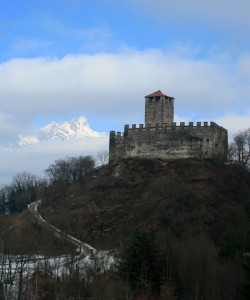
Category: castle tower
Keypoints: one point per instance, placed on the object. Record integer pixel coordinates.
(159, 108)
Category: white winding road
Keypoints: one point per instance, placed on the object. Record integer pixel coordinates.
(84, 249)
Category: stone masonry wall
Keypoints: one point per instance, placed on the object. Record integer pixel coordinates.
(169, 141)
(159, 110)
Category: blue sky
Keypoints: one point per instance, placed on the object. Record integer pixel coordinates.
(58, 27)
(61, 59)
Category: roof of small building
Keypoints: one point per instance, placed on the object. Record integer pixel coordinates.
(157, 94)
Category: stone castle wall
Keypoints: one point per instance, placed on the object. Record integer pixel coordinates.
(170, 141)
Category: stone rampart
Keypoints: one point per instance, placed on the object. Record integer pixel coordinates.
(170, 141)
(181, 125)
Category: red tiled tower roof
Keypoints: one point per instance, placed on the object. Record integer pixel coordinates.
(157, 94)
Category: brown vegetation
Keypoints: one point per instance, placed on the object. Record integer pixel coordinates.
(20, 233)
(185, 197)
(198, 213)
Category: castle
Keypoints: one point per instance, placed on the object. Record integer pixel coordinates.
(160, 137)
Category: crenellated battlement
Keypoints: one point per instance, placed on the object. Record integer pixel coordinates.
(174, 125)
(166, 139)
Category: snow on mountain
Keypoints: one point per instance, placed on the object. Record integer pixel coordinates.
(77, 128)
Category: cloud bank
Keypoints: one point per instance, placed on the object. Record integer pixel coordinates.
(109, 90)
(36, 158)
(111, 87)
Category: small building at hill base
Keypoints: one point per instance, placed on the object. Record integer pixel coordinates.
(160, 137)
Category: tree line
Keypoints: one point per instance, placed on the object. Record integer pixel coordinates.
(26, 187)
(239, 148)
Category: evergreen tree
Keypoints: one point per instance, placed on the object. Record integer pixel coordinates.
(140, 264)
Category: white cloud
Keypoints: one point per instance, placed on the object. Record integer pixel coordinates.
(234, 122)
(113, 86)
(243, 66)
(36, 158)
(9, 126)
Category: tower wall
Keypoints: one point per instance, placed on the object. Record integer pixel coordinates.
(159, 109)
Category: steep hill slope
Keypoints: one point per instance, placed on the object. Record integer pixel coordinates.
(20, 233)
(181, 199)
(199, 213)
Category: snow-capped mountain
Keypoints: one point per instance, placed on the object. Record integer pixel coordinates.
(77, 128)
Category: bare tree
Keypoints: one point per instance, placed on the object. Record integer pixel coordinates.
(239, 149)
(2, 201)
(102, 157)
(22, 191)
(11, 272)
(71, 169)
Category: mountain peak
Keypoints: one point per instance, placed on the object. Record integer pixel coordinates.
(77, 128)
